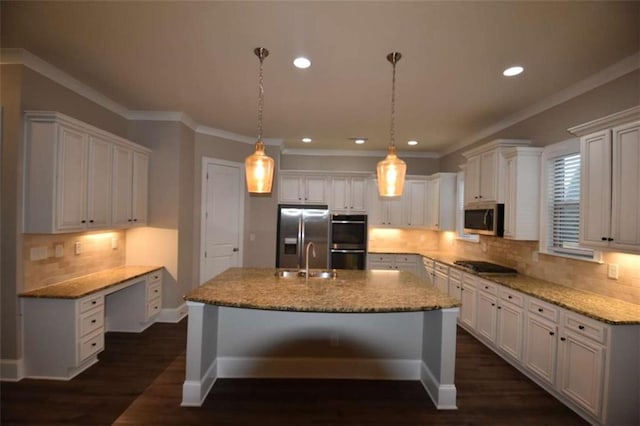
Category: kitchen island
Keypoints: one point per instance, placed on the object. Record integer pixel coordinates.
(249, 322)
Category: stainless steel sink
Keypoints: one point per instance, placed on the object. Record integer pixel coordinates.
(312, 274)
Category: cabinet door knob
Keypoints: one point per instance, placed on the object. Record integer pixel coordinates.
(604, 238)
(551, 333)
(540, 310)
(235, 249)
(493, 304)
(581, 327)
(83, 221)
(563, 339)
(509, 297)
(93, 321)
(499, 307)
(609, 239)
(135, 220)
(91, 221)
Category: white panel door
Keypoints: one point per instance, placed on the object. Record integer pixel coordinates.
(99, 183)
(510, 329)
(486, 321)
(223, 215)
(72, 180)
(541, 343)
(358, 195)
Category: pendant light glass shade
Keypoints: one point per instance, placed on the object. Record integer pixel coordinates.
(259, 171)
(392, 170)
(259, 167)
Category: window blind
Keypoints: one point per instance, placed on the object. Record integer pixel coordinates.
(564, 205)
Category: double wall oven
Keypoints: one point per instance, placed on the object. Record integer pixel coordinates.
(348, 247)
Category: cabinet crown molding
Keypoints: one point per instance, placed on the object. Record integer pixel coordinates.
(498, 143)
(622, 117)
(54, 116)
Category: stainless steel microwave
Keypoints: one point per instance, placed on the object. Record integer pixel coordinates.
(485, 219)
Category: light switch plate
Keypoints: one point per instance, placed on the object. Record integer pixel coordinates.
(77, 247)
(613, 271)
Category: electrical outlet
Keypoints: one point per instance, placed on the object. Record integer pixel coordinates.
(59, 250)
(613, 271)
(77, 247)
(114, 243)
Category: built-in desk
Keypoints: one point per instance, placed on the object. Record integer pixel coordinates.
(64, 324)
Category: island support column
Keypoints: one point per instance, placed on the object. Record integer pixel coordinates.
(202, 352)
(439, 357)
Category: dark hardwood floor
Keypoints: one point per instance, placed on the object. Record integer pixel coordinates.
(138, 381)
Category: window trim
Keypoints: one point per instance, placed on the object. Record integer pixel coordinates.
(567, 147)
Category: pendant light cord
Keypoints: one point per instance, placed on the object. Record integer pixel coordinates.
(393, 107)
(260, 98)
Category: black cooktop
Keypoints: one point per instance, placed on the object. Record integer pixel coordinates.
(485, 267)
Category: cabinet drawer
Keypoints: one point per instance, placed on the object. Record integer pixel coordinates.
(405, 258)
(381, 258)
(428, 262)
(512, 296)
(91, 345)
(153, 307)
(543, 309)
(469, 280)
(455, 274)
(155, 276)
(91, 302)
(154, 290)
(91, 321)
(442, 268)
(488, 287)
(585, 327)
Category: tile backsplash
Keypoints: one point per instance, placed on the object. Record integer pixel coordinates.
(98, 251)
(582, 275)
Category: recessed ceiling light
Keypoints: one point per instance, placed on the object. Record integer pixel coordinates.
(359, 141)
(412, 143)
(301, 62)
(306, 140)
(511, 71)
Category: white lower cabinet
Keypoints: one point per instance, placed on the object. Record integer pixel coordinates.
(396, 262)
(63, 337)
(441, 279)
(455, 284)
(468, 301)
(590, 366)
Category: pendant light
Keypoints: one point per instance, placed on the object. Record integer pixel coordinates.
(259, 166)
(391, 170)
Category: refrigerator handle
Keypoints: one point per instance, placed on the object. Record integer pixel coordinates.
(300, 246)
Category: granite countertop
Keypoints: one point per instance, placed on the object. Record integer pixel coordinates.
(351, 292)
(601, 308)
(92, 283)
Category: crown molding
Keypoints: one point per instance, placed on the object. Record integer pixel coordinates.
(631, 114)
(354, 153)
(31, 61)
(163, 116)
(625, 66)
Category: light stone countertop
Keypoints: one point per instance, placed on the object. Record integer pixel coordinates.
(351, 292)
(92, 283)
(601, 308)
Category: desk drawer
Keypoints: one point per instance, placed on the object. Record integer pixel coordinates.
(154, 290)
(154, 276)
(91, 345)
(91, 302)
(153, 307)
(91, 321)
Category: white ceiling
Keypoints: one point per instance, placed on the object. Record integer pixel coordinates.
(197, 57)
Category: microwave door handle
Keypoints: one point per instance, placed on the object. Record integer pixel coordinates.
(484, 221)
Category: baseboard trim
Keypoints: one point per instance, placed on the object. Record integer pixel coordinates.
(443, 396)
(316, 368)
(194, 392)
(172, 315)
(11, 370)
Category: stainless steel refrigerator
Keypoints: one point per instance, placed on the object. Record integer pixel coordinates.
(297, 226)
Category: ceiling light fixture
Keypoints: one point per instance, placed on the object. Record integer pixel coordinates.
(412, 143)
(306, 140)
(301, 62)
(512, 71)
(259, 166)
(359, 141)
(391, 171)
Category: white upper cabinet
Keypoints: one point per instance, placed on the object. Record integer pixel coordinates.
(522, 193)
(441, 202)
(485, 172)
(130, 174)
(348, 195)
(386, 211)
(68, 173)
(298, 188)
(610, 182)
(415, 195)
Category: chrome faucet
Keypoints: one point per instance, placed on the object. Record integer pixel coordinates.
(311, 246)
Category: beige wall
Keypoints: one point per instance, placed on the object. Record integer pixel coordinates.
(415, 166)
(551, 126)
